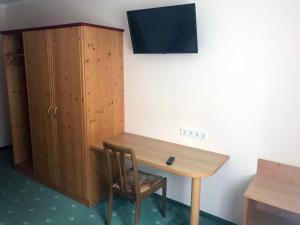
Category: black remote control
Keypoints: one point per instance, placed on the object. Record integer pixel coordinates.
(170, 160)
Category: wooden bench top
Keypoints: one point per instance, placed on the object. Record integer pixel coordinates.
(190, 162)
(275, 192)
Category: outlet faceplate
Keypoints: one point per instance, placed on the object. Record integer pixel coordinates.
(193, 133)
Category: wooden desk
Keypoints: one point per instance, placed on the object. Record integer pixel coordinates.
(190, 162)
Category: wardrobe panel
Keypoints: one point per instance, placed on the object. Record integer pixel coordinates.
(103, 64)
(38, 75)
(67, 69)
(17, 97)
(104, 95)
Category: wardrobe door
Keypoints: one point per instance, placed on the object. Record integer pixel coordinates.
(38, 76)
(66, 50)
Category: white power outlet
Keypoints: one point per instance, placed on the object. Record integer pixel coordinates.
(193, 133)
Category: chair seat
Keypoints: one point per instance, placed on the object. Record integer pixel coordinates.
(146, 181)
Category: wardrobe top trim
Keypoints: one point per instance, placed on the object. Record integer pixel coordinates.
(15, 31)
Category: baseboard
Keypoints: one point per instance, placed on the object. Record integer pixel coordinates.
(202, 213)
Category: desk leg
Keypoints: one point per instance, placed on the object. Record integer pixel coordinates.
(195, 201)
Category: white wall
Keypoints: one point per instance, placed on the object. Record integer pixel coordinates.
(243, 88)
(4, 115)
(2, 16)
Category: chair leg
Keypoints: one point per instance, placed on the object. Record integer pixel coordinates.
(110, 205)
(137, 212)
(164, 199)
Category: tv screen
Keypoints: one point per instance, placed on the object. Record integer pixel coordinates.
(170, 29)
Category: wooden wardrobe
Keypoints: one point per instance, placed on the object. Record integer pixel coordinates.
(66, 91)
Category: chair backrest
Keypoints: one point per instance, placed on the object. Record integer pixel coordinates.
(116, 156)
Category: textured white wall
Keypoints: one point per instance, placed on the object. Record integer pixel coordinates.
(4, 115)
(243, 88)
(2, 16)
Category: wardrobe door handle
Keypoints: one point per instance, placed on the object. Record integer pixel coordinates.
(54, 112)
(49, 111)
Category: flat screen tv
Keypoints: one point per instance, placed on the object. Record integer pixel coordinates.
(171, 29)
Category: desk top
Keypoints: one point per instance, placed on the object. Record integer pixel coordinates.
(275, 192)
(190, 162)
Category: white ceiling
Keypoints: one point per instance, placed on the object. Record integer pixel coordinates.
(7, 2)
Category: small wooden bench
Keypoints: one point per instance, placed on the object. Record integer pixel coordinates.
(273, 197)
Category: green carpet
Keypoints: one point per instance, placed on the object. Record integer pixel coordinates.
(26, 202)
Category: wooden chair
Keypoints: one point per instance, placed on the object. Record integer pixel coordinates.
(130, 183)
